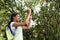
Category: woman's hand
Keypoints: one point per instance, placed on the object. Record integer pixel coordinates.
(29, 11)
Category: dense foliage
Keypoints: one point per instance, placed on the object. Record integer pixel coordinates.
(46, 17)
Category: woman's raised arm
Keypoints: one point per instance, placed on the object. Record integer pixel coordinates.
(26, 21)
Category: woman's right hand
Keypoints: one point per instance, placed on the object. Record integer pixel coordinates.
(29, 11)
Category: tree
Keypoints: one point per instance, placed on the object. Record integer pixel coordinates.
(46, 16)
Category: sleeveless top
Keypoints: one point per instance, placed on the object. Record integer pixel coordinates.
(18, 34)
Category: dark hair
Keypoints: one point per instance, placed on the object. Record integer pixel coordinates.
(11, 18)
(13, 15)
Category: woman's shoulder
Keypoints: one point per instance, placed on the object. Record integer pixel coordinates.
(12, 23)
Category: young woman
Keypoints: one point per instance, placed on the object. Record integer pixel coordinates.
(17, 26)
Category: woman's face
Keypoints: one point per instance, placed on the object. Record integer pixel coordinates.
(17, 17)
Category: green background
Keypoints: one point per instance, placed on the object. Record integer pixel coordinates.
(47, 18)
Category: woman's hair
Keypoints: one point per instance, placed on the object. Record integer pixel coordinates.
(13, 15)
(11, 18)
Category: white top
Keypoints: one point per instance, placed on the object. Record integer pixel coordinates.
(18, 31)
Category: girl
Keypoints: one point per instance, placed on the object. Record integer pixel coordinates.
(16, 26)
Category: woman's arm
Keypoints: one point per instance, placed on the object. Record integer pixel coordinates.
(28, 17)
(29, 25)
(25, 22)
